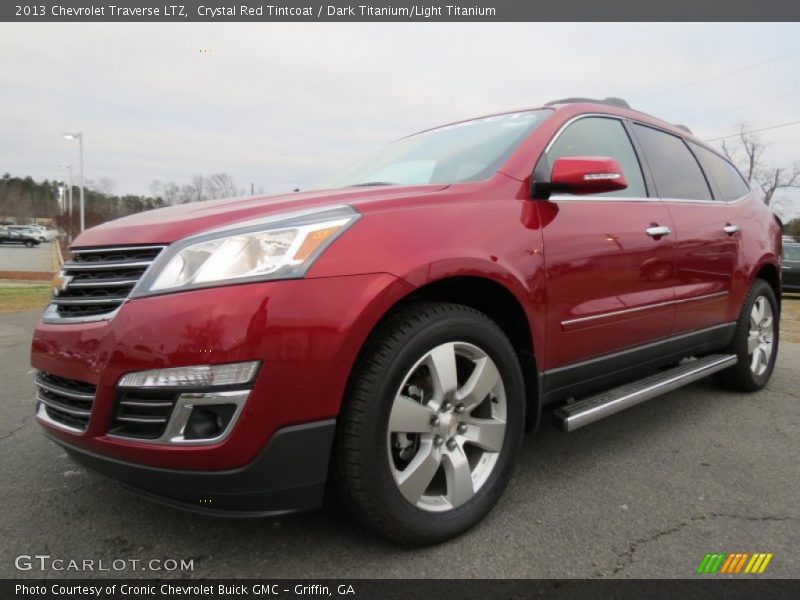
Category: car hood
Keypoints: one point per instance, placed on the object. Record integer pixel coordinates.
(166, 225)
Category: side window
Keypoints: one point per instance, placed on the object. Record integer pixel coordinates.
(598, 136)
(675, 171)
(729, 182)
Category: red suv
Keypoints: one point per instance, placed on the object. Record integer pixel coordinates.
(395, 333)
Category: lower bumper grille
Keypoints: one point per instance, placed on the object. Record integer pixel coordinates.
(65, 403)
(142, 414)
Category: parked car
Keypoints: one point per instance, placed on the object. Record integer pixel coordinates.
(397, 332)
(48, 233)
(790, 263)
(9, 235)
(40, 233)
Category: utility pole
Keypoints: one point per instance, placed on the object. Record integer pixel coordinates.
(79, 136)
(68, 167)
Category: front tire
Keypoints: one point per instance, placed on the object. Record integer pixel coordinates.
(431, 424)
(755, 341)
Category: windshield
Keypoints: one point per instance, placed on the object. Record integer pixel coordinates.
(468, 151)
(791, 253)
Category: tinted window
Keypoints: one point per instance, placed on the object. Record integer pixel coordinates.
(596, 136)
(729, 182)
(675, 170)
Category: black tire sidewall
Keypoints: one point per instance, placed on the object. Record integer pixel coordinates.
(752, 381)
(462, 328)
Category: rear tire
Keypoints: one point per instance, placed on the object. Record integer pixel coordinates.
(755, 342)
(431, 424)
(29, 244)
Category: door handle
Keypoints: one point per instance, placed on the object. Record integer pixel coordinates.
(731, 229)
(657, 231)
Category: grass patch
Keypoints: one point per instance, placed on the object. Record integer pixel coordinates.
(790, 318)
(14, 298)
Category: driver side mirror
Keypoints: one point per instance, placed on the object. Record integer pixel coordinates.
(581, 175)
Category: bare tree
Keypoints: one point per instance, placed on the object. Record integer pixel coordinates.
(747, 150)
(104, 185)
(218, 185)
(222, 185)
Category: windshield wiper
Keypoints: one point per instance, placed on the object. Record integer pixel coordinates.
(368, 183)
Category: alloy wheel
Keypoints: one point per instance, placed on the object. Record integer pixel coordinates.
(761, 335)
(446, 427)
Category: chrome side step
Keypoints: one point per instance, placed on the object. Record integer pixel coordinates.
(594, 408)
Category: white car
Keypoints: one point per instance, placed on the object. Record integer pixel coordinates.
(39, 232)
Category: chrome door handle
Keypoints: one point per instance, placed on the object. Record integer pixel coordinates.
(658, 231)
(731, 229)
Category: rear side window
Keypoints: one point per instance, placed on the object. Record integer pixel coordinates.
(675, 171)
(598, 136)
(729, 182)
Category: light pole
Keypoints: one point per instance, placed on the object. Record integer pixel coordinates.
(68, 167)
(79, 136)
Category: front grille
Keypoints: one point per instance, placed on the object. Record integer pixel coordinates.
(141, 413)
(98, 280)
(65, 401)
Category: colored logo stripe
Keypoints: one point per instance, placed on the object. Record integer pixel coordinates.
(758, 563)
(735, 562)
(721, 562)
(711, 562)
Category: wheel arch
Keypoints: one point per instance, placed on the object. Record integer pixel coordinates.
(771, 274)
(500, 304)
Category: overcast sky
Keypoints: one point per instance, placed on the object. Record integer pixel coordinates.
(283, 105)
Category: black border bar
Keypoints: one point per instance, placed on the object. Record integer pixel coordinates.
(399, 10)
(702, 587)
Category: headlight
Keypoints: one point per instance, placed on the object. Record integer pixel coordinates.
(279, 247)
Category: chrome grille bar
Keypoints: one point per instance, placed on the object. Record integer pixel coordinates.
(101, 283)
(87, 301)
(62, 407)
(63, 391)
(115, 249)
(92, 266)
(97, 281)
(64, 403)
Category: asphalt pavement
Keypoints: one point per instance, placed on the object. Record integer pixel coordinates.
(645, 493)
(20, 258)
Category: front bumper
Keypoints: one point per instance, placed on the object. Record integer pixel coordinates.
(306, 333)
(287, 476)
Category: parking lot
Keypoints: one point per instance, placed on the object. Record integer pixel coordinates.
(646, 493)
(20, 258)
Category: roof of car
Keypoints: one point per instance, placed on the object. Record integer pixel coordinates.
(619, 103)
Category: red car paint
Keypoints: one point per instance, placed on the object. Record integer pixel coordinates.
(587, 278)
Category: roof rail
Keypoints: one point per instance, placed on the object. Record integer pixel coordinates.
(611, 101)
(684, 127)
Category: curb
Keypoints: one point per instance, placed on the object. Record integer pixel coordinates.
(57, 258)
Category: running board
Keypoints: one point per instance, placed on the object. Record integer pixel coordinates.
(580, 413)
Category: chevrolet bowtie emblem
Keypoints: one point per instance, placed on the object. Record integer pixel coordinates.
(60, 283)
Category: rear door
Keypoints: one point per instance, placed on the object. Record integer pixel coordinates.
(610, 280)
(706, 236)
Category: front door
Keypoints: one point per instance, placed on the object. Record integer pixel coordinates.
(609, 258)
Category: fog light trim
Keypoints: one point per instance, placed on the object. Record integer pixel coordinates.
(174, 433)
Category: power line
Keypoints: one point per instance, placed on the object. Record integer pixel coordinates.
(720, 75)
(768, 100)
(723, 137)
